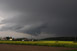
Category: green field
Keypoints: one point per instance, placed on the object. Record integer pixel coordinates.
(71, 50)
(43, 43)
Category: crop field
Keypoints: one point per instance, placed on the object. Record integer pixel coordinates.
(70, 44)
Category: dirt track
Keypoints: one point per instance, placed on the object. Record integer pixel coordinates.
(6, 47)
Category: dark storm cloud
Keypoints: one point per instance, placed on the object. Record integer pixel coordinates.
(37, 16)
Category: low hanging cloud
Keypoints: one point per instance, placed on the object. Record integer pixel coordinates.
(39, 16)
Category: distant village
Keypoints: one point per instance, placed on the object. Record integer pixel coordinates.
(15, 39)
(31, 39)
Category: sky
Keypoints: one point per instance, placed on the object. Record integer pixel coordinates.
(39, 18)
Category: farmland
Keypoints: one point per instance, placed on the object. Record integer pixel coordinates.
(9, 47)
(70, 44)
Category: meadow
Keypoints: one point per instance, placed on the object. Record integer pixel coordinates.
(70, 44)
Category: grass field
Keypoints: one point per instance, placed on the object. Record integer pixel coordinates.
(44, 43)
(71, 50)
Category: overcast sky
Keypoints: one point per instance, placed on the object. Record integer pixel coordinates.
(43, 18)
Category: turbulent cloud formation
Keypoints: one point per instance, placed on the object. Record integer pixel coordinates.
(13, 34)
(35, 17)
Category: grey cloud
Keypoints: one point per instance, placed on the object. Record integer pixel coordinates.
(37, 16)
